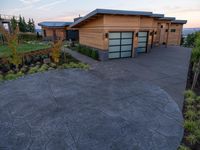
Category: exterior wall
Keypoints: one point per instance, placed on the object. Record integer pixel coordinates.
(175, 37)
(60, 33)
(93, 33)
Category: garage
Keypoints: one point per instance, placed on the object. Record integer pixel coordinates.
(120, 44)
(142, 42)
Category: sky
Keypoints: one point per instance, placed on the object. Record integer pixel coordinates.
(66, 10)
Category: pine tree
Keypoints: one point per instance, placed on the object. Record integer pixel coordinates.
(33, 25)
(21, 28)
(24, 25)
(29, 25)
(13, 23)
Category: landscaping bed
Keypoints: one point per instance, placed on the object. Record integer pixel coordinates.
(37, 63)
(86, 51)
(23, 48)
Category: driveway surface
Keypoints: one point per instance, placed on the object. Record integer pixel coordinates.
(121, 109)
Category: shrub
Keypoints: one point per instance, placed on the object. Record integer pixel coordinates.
(19, 74)
(53, 65)
(43, 68)
(190, 100)
(182, 147)
(10, 76)
(192, 139)
(189, 93)
(197, 99)
(33, 70)
(191, 114)
(87, 51)
(1, 77)
(24, 69)
(95, 55)
(191, 126)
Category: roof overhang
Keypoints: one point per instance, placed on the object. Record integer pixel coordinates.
(168, 18)
(54, 24)
(112, 12)
(179, 21)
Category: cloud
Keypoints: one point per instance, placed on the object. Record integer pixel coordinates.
(50, 5)
(29, 1)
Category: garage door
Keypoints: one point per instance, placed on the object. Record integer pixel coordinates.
(120, 44)
(142, 42)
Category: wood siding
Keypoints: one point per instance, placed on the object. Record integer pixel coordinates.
(59, 32)
(175, 37)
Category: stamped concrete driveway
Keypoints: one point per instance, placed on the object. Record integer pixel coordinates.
(89, 110)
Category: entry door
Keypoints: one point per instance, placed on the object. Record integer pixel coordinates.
(120, 44)
(142, 42)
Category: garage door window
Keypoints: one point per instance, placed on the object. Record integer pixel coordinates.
(142, 42)
(120, 44)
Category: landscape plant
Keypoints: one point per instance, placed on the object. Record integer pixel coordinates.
(191, 110)
(12, 40)
(56, 51)
(196, 60)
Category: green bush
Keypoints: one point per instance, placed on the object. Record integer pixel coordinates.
(19, 74)
(53, 65)
(43, 68)
(28, 37)
(191, 115)
(189, 93)
(33, 70)
(190, 126)
(190, 100)
(10, 76)
(95, 55)
(75, 65)
(192, 139)
(87, 51)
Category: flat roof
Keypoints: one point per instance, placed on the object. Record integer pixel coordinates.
(53, 24)
(168, 18)
(180, 21)
(116, 12)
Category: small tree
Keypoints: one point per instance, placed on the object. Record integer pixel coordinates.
(196, 60)
(56, 48)
(12, 39)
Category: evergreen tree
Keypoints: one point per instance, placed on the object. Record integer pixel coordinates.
(29, 26)
(21, 27)
(33, 25)
(13, 23)
(24, 25)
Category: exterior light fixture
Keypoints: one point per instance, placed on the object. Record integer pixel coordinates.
(106, 35)
(136, 34)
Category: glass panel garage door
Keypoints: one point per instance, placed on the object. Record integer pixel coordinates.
(142, 42)
(120, 44)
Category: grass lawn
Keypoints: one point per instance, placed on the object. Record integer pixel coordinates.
(28, 47)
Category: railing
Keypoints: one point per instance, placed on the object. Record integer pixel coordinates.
(8, 17)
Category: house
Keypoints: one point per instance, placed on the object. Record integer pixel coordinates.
(120, 33)
(58, 30)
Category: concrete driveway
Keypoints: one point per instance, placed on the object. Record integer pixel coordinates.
(114, 106)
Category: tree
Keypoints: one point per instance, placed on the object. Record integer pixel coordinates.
(12, 39)
(190, 40)
(56, 48)
(196, 60)
(13, 23)
(33, 26)
(29, 26)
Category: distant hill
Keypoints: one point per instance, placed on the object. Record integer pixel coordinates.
(187, 31)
